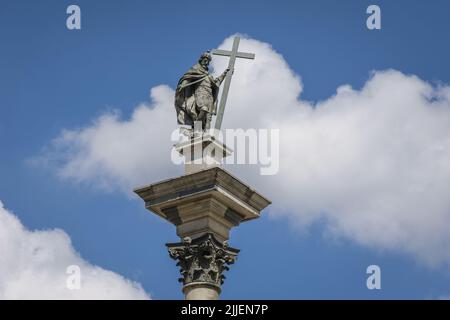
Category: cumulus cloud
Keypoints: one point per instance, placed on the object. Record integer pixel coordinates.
(375, 163)
(372, 164)
(112, 153)
(33, 265)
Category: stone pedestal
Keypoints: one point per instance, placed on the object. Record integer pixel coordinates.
(202, 152)
(204, 204)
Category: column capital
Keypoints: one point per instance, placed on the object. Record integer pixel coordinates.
(203, 260)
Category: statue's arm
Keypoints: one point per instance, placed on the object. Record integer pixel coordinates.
(219, 79)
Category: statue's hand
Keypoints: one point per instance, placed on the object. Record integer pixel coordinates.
(229, 70)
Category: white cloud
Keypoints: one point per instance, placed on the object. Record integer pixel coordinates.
(33, 265)
(373, 164)
(112, 153)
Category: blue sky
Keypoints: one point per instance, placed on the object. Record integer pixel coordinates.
(52, 78)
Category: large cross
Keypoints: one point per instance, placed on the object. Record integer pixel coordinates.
(233, 54)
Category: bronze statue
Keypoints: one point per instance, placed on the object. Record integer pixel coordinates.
(197, 90)
(196, 94)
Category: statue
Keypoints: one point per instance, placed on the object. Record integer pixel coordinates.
(197, 91)
(196, 94)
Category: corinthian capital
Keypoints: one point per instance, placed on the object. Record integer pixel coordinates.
(202, 260)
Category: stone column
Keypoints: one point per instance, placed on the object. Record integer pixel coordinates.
(204, 204)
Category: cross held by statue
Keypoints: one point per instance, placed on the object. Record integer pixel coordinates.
(233, 54)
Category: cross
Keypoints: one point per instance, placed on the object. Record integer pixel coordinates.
(233, 54)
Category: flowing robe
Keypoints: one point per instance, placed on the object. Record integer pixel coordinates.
(196, 91)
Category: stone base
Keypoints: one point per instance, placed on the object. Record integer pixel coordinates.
(202, 152)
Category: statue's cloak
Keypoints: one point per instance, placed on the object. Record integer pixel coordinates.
(184, 95)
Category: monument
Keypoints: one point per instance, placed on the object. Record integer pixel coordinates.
(207, 201)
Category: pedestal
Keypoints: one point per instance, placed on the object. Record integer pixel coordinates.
(202, 152)
(204, 204)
